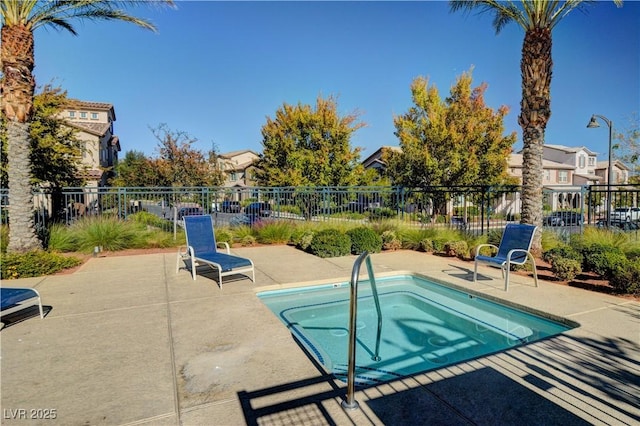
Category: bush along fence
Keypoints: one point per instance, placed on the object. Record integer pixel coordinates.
(475, 209)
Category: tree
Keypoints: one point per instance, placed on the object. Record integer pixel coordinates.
(19, 21)
(458, 141)
(307, 146)
(135, 169)
(538, 18)
(181, 165)
(627, 147)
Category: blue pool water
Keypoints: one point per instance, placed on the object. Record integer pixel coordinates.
(425, 326)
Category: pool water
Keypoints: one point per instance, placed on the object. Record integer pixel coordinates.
(425, 326)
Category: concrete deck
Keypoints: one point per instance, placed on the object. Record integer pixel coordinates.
(127, 341)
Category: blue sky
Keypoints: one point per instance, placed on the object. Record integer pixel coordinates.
(216, 70)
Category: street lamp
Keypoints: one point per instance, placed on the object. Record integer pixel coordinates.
(593, 123)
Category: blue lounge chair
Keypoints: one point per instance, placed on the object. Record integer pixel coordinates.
(17, 299)
(202, 249)
(513, 250)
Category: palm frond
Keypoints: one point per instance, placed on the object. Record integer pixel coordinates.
(504, 11)
(59, 13)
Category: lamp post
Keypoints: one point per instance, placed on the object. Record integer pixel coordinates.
(593, 123)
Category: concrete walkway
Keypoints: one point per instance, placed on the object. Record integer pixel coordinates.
(127, 341)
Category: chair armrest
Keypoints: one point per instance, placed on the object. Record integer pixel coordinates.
(226, 246)
(485, 245)
(183, 251)
(514, 251)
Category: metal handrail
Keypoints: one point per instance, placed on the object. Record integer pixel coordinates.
(350, 403)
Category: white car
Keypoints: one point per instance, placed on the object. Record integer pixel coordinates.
(626, 214)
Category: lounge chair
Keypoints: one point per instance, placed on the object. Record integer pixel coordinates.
(202, 249)
(17, 299)
(513, 250)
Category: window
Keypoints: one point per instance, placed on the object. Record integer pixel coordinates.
(94, 115)
(547, 175)
(72, 114)
(581, 162)
(233, 177)
(563, 176)
(83, 115)
(592, 161)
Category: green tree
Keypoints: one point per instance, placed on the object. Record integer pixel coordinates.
(180, 165)
(135, 169)
(538, 18)
(309, 146)
(627, 147)
(456, 141)
(55, 151)
(19, 20)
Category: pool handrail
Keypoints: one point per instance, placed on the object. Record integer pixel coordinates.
(350, 403)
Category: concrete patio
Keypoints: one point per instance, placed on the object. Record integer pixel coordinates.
(127, 341)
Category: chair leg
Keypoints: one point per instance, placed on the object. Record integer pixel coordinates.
(535, 273)
(506, 275)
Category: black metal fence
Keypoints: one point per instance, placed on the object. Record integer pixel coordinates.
(475, 209)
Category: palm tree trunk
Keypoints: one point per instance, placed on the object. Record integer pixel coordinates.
(535, 111)
(16, 101)
(22, 235)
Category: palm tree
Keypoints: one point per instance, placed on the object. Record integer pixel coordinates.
(19, 19)
(537, 18)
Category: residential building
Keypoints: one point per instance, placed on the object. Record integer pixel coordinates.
(374, 161)
(238, 168)
(94, 122)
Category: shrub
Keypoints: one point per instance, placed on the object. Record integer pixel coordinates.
(381, 213)
(147, 218)
(494, 236)
(110, 233)
(625, 277)
(4, 238)
(364, 239)
(330, 243)
(457, 248)
(605, 262)
(565, 268)
(61, 239)
(563, 251)
(273, 232)
(390, 241)
(301, 238)
(34, 264)
(223, 235)
(593, 256)
(426, 245)
(248, 241)
(240, 232)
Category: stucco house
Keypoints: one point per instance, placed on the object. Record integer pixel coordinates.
(94, 122)
(237, 167)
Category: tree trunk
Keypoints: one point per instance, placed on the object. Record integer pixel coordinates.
(22, 235)
(16, 101)
(535, 111)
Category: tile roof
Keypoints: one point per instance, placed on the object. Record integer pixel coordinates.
(98, 129)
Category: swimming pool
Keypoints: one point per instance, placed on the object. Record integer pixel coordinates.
(425, 325)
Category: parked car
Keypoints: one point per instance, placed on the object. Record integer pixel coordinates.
(189, 211)
(619, 224)
(229, 206)
(458, 222)
(258, 209)
(626, 214)
(564, 218)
